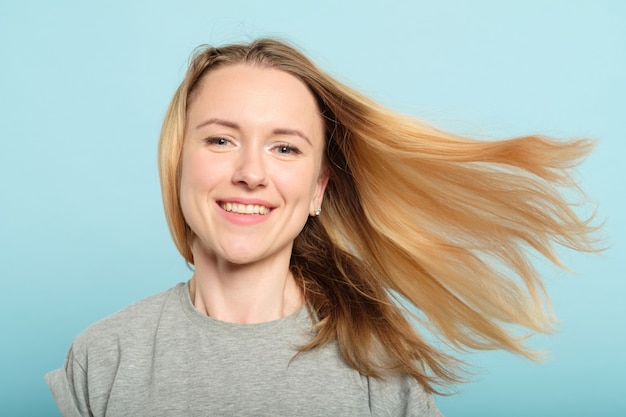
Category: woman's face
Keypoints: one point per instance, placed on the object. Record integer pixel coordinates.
(251, 163)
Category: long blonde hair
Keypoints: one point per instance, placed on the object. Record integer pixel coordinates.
(443, 222)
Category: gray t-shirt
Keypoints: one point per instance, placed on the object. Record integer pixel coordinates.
(161, 357)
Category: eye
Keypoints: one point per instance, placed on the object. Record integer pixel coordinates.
(217, 140)
(286, 149)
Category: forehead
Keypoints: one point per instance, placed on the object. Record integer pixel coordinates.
(248, 89)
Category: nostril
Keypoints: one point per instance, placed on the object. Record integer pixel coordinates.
(250, 178)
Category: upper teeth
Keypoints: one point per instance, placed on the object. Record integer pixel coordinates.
(245, 208)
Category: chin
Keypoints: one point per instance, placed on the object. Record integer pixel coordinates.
(243, 257)
(242, 260)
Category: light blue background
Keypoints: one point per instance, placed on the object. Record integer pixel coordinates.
(84, 86)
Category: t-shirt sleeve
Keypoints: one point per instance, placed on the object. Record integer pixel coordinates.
(69, 388)
(401, 396)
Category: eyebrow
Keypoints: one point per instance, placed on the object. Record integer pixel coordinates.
(216, 121)
(233, 125)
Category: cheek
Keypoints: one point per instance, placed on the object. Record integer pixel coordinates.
(300, 184)
(198, 170)
(188, 178)
(196, 180)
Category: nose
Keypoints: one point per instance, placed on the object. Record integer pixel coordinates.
(251, 169)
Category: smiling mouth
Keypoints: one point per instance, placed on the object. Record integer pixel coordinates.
(251, 209)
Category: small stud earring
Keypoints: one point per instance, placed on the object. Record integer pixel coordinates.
(318, 211)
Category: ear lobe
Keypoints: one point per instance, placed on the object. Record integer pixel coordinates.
(320, 188)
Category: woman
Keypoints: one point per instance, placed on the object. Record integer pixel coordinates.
(310, 215)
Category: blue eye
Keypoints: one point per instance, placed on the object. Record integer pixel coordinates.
(287, 149)
(217, 141)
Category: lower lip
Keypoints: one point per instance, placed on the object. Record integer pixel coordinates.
(244, 219)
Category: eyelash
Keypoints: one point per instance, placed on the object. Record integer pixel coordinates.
(217, 140)
(289, 148)
(222, 141)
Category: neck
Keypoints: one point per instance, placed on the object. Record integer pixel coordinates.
(251, 293)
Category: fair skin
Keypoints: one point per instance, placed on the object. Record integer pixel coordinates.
(252, 173)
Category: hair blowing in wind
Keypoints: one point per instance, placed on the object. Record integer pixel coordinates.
(449, 223)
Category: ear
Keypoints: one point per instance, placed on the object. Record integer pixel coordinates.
(318, 192)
